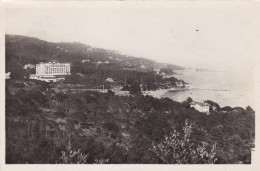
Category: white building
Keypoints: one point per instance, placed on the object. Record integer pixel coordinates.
(109, 80)
(85, 60)
(8, 75)
(179, 84)
(26, 66)
(53, 68)
(201, 107)
(157, 70)
(49, 71)
(211, 106)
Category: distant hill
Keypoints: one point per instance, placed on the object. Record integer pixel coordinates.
(21, 50)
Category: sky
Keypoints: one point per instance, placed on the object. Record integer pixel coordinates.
(199, 35)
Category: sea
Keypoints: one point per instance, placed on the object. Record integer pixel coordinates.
(227, 88)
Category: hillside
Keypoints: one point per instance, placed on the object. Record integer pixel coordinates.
(25, 50)
(90, 66)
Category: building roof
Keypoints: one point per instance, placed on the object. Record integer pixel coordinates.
(109, 80)
(53, 62)
(198, 103)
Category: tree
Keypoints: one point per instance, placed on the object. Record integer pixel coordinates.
(176, 149)
(189, 100)
(249, 109)
(70, 156)
(111, 127)
(44, 85)
(60, 114)
(227, 108)
(110, 92)
(135, 89)
(60, 97)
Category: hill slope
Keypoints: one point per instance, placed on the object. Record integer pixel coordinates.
(24, 50)
(45, 127)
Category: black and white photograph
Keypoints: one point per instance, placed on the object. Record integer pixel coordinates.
(165, 83)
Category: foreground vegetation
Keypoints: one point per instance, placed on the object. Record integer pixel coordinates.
(44, 126)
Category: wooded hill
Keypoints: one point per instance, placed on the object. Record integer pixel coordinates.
(22, 50)
(94, 64)
(43, 126)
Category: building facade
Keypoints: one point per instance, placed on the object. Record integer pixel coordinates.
(157, 71)
(8, 75)
(53, 68)
(201, 107)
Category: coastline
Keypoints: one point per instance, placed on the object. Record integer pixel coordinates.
(156, 93)
(219, 87)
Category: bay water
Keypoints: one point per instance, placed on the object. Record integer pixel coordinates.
(227, 88)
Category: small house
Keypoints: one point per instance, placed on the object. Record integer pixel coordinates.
(29, 66)
(179, 84)
(211, 106)
(8, 75)
(157, 71)
(85, 60)
(199, 106)
(110, 80)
